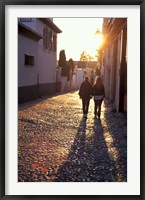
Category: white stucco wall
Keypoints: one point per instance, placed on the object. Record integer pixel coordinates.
(44, 69)
(46, 66)
(107, 73)
(79, 77)
(27, 75)
(118, 75)
(47, 59)
(73, 82)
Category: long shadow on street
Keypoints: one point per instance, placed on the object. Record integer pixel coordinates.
(116, 128)
(88, 160)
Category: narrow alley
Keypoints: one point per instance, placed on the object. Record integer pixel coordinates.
(55, 143)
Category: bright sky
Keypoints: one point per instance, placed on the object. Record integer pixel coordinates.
(78, 35)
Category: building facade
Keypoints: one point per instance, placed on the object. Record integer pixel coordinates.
(37, 61)
(114, 62)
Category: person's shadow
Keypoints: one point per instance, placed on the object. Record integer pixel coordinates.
(88, 159)
(104, 165)
(72, 168)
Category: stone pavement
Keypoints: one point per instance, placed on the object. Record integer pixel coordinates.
(55, 143)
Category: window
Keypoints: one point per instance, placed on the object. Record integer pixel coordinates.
(45, 37)
(49, 40)
(29, 60)
(52, 42)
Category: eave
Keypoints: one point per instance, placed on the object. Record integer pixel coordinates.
(28, 32)
(50, 24)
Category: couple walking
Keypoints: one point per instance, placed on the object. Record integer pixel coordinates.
(87, 91)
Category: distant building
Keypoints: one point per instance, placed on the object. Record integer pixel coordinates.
(82, 64)
(37, 63)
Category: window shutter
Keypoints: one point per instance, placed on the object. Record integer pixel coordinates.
(54, 43)
(50, 40)
(47, 38)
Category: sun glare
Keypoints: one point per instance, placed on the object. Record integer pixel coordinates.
(78, 36)
(94, 44)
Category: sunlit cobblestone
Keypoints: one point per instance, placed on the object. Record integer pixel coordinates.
(56, 144)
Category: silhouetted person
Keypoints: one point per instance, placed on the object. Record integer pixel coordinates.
(85, 93)
(99, 94)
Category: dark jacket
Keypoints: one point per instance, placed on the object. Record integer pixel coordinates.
(85, 91)
(98, 90)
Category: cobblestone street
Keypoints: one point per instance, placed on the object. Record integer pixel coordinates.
(55, 143)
